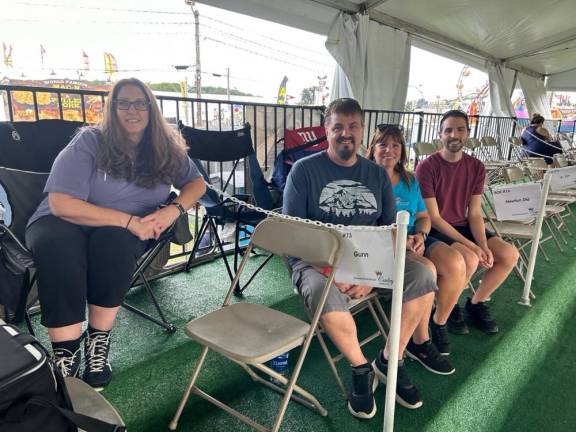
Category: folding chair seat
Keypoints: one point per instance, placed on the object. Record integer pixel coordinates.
(207, 148)
(298, 143)
(251, 334)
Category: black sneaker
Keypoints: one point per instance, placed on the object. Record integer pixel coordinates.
(428, 356)
(439, 335)
(67, 361)
(479, 315)
(456, 323)
(407, 394)
(361, 399)
(97, 369)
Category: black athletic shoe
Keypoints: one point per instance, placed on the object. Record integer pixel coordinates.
(361, 399)
(407, 394)
(429, 357)
(67, 361)
(439, 334)
(456, 323)
(479, 316)
(97, 369)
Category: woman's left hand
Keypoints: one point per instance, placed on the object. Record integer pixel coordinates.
(415, 243)
(162, 219)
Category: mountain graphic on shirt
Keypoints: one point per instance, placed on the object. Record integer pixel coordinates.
(347, 198)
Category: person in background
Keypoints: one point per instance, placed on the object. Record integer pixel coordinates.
(101, 211)
(388, 149)
(537, 140)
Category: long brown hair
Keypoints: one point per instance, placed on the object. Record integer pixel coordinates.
(395, 133)
(155, 160)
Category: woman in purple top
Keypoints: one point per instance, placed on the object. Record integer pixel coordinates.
(388, 149)
(100, 212)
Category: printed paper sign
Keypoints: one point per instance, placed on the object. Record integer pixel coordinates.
(563, 178)
(517, 201)
(368, 259)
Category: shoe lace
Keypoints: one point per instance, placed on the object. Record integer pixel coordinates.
(97, 351)
(65, 361)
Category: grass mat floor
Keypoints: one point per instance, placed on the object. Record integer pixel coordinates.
(521, 379)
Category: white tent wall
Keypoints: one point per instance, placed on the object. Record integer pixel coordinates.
(501, 82)
(340, 85)
(535, 95)
(375, 58)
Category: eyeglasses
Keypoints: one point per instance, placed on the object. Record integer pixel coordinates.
(393, 128)
(138, 104)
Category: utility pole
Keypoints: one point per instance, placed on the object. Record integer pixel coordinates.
(228, 82)
(198, 70)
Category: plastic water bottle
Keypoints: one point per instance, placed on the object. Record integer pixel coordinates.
(2, 211)
(280, 365)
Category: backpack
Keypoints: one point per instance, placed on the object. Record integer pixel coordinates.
(33, 395)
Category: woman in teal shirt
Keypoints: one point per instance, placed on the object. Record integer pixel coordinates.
(388, 149)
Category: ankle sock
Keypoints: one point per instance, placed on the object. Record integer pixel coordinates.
(70, 345)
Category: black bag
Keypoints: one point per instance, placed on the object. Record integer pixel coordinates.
(15, 262)
(33, 396)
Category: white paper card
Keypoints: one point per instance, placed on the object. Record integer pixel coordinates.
(517, 201)
(368, 259)
(563, 178)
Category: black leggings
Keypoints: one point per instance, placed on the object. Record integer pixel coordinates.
(76, 264)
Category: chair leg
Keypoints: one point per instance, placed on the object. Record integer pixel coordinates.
(240, 291)
(174, 423)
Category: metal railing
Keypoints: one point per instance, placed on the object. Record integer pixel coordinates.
(268, 122)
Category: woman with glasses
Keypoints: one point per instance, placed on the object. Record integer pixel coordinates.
(101, 211)
(388, 149)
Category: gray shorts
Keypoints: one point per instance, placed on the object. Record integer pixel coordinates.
(418, 281)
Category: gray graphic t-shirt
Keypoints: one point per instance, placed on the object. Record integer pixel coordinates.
(319, 189)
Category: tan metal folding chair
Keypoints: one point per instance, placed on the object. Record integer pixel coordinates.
(251, 334)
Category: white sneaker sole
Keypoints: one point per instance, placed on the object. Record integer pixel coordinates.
(362, 415)
(382, 378)
(428, 368)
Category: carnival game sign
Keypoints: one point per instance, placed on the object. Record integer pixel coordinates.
(49, 104)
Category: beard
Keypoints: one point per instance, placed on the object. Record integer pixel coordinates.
(454, 146)
(345, 152)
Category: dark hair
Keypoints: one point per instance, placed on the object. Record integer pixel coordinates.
(457, 114)
(343, 106)
(381, 135)
(536, 119)
(158, 157)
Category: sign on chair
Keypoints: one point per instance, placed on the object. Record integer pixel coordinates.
(563, 178)
(368, 258)
(516, 201)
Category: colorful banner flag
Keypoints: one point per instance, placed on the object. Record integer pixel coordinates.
(7, 55)
(110, 65)
(86, 60)
(282, 91)
(42, 54)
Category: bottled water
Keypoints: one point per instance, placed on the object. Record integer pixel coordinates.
(280, 365)
(2, 211)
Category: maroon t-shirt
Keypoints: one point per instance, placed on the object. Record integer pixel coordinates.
(452, 184)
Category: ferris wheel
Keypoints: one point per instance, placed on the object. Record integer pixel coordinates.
(473, 101)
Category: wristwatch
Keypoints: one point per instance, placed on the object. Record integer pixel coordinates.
(424, 234)
(181, 209)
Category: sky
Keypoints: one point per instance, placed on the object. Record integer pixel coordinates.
(149, 37)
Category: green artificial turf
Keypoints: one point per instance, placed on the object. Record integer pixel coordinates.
(521, 379)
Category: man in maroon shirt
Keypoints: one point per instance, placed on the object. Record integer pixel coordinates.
(452, 183)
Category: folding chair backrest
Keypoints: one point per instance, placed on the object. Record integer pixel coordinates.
(33, 146)
(424, 149)
(313, 244)
(218, 146)
(488, 141)
(437, 144)
(24, 191)
(472, 143)
(560, 160)
(513, 174)
(515, 141)
(536, 167)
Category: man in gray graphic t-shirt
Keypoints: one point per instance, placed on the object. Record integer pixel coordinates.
(340, 187)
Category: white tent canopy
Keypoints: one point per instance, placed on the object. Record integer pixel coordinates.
(537, 39)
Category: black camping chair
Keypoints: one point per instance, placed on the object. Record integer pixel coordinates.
(24, 192)
(208, 147)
